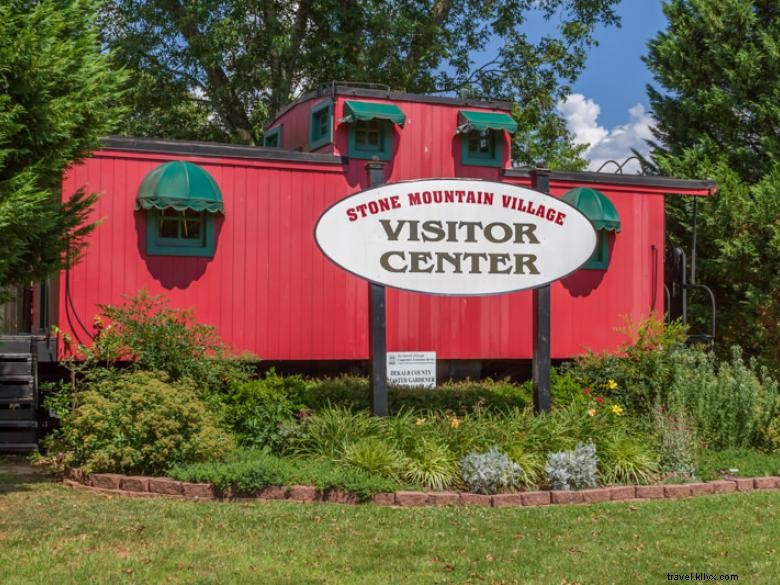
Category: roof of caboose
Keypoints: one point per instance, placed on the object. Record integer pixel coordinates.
(385, 93)
(188, 148)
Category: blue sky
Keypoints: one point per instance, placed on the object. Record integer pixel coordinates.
(608, 108)
(615, 76)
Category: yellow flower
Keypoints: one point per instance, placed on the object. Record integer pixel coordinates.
(611, 384)
(592, 412)
(617, 409)
(420, 421)
(454, 422)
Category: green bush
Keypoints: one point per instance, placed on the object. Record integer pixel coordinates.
(249, 472)
(732, 402)
(154, 337)
(635, 374)
(353, 392)
(138, 422)
(263, 412)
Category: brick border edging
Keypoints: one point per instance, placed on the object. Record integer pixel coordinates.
(128, 485)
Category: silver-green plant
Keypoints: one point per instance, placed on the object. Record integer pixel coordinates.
(573, 470)
(489, 473)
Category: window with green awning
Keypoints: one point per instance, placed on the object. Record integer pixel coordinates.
(370, 134)
(366, 111)
(601, 212)
(180, 199)
(469, 121)
(482, 137)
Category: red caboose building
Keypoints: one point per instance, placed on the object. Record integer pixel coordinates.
(228, 230)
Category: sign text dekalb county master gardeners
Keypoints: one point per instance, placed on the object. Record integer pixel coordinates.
(456, 236)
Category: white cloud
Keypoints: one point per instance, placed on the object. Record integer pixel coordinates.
(581, 115)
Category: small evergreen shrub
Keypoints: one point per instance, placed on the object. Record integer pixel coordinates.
(138, 422)
(263, 413)
(573, 470)
(489, 473)
(352, 392)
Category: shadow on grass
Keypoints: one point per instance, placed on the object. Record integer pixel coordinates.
(17, 474)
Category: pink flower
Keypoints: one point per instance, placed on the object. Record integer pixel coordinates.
(599, 399)
(587, 391)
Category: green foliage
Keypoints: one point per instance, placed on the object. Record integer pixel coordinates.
(626, 459)
(430, 464)
(634, 375)
(138, 422)
(57, 99)
(221, 69)
(330, 431)
(263, 412)
(249, 472)
(491, 472)
(717, 117)
(457, 397)
(375, 456)
(150, 335)
(677, 443)
(713, 464)
(731, 402)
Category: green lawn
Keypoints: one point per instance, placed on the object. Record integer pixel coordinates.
(53, 534)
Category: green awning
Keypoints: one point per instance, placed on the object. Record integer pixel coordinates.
(372, 111)
(468, 121)
(595, 206)
(179, 185)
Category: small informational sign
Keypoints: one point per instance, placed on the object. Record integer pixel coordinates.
(415, 369)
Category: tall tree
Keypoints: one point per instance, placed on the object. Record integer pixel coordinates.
(221, 68)
(57, 98)
(718, 116)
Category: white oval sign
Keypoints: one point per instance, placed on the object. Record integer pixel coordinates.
(456, 236)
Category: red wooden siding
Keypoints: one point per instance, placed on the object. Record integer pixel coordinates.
(270, 291)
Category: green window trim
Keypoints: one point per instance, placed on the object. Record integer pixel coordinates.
(370, 139)
(490, 155)
(600, 258)
(321, 125)
(273, 138)
(159, 245)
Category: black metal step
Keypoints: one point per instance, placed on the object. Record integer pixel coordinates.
(16, 393)
(28, 435)
(18, 447)
(16, 368)
(15, 356)
(18, 424)
(17, 378)
(24, 411)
